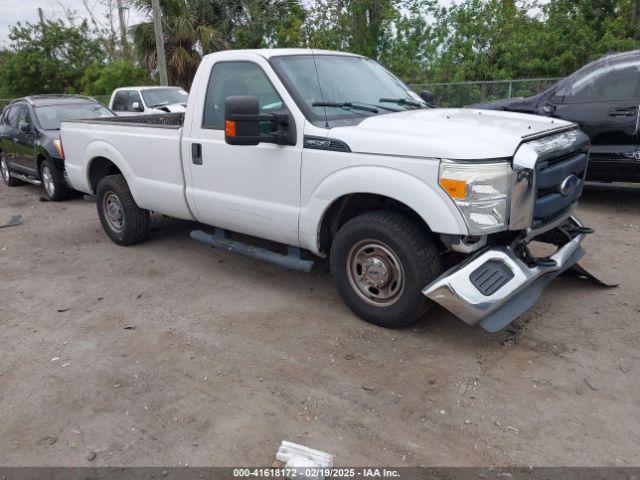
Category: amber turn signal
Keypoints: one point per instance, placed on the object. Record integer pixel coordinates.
(58, 144)
(455, 188)
(230, 128)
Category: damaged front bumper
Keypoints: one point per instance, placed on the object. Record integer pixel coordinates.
(497, 285)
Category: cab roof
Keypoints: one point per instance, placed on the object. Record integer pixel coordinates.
(61, 99)
(278, 52)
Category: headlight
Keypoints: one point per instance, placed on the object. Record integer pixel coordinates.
(481, 192)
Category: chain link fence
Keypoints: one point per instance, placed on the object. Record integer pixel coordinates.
(467, 93)
(451, 94)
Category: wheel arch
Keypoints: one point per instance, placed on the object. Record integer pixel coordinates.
(104, 159)
(98, 168)
(356, 190)
(40, 158)
(349, 206)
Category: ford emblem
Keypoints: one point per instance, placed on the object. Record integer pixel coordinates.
(569, 184)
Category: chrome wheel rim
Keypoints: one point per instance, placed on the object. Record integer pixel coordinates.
(5, 168)
(113, 212)
(47, 179)
(375, 272)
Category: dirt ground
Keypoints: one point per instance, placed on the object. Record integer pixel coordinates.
(172, 353)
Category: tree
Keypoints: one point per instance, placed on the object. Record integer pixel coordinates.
(48, 57)
(102, 79)
(359, 26)
(187, 36)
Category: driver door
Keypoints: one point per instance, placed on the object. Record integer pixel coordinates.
(25, 138)
(253, 190)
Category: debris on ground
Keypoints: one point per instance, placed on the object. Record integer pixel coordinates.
(91, 456)
(301, 458)
(14, 222)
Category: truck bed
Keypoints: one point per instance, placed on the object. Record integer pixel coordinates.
(159, 120)
(145, 148)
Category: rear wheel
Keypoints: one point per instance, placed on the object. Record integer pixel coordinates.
(6, 173)
(54, 190)
(381, 261)
(123, 220)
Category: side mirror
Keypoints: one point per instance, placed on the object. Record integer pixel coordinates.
(25, 127)
(136, 107)
(242, 119)
(427, 97)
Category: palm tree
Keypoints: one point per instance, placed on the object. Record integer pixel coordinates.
(187, 36)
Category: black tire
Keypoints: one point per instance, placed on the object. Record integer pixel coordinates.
(113, 192)
(393, 237)
(53, 190)
(5, 173)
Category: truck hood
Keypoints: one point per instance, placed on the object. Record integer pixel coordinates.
(172, 108)
(461, 134)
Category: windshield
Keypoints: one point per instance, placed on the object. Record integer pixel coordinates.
(343, 80)
(159, 97)
(50, 116)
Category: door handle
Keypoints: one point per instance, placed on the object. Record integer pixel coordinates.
(622, 112)
(196, 153)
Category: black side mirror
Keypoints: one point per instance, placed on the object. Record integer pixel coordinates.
(427, 96)
(25, 127)
(242, 119)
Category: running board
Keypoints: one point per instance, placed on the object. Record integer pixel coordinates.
(291, 260)
(24, 178)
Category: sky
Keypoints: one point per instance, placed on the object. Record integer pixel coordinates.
(13, 11)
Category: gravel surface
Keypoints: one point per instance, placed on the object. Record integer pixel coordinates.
(173, 353)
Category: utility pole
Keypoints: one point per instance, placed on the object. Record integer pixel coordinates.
(157, 27)
(41, 15)
(123, 29)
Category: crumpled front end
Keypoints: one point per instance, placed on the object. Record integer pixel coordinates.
(496, 285)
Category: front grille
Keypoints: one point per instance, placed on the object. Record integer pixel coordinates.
(550, 203)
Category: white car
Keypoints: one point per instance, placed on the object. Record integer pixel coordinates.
(330, 154)
(148, 100)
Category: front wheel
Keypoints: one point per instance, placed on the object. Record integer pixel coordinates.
(123, 220)
(381, 261)
(6, 173)
(54, 190)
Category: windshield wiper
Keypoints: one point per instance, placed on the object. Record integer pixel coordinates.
(402, 101)
(345, 105)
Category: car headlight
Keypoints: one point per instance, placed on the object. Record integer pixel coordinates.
(481, 192)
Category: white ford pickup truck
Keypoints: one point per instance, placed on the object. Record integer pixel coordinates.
(329, 153)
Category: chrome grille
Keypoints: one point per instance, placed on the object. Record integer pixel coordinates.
(551, 201)
(548, 176)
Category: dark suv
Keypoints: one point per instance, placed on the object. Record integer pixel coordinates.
(603, 97)
(30, 148)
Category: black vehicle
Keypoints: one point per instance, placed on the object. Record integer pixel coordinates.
(30, 148)
(603, 97)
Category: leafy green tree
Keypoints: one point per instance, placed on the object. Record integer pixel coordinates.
(187, 36)
(102, 79)
(49, 57)
(359, 26)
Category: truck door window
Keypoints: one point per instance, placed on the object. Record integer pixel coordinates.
(119, 101)
(237, 78)
(613, 81)
(133, 98)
